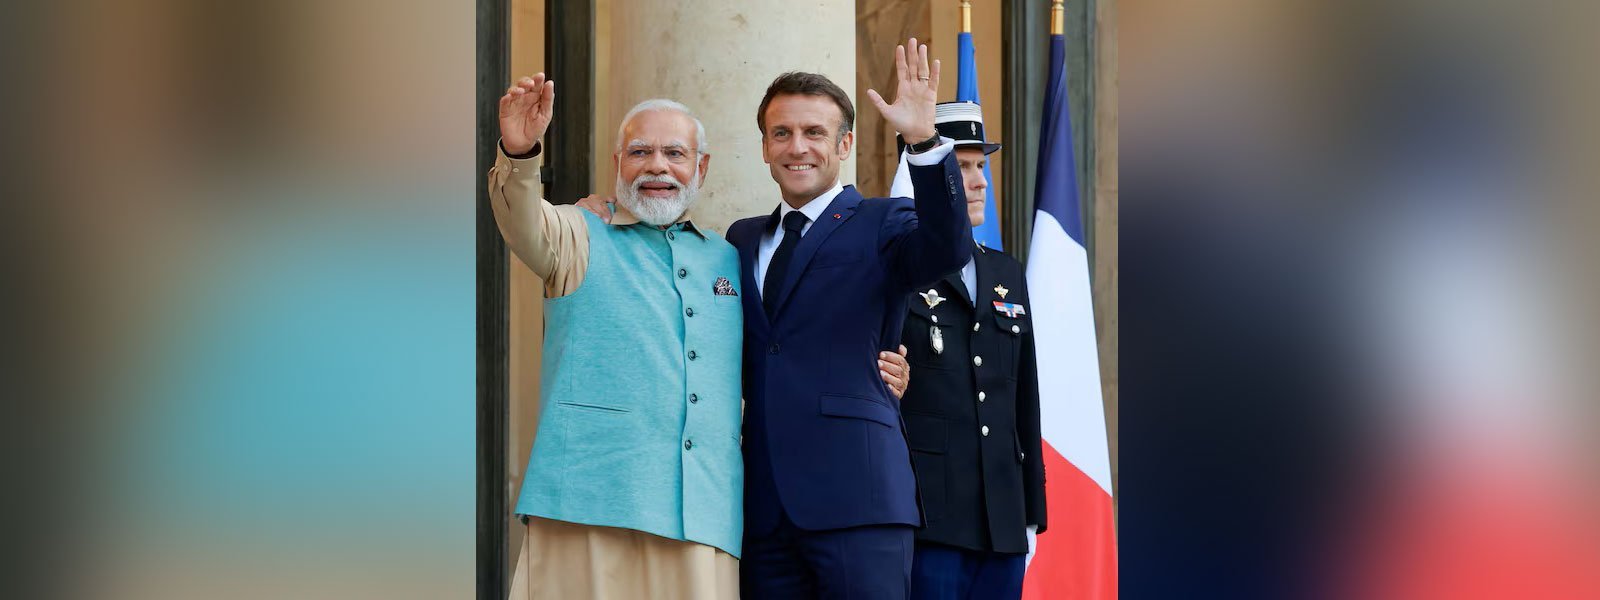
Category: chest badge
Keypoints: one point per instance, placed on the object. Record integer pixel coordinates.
(931, 297)
(936, 339)
(723, 287)
(1009, 309)
(1001, 289)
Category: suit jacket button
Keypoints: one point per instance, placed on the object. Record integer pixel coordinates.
(773, 348)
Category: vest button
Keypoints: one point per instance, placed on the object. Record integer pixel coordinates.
(694, 398)
(670, 236)
(688, 444)
(692, 355)
(682, 273)
(688, 311)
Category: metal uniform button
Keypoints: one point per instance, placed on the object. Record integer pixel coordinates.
(985, 431)
(977, 361)
(1016, 329)
(682, 273)
(689, 311)
(694, 398)
(975, 326)
(688, 444)
(935, 318)
(981, 396)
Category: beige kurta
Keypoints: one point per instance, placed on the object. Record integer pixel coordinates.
(561, 560)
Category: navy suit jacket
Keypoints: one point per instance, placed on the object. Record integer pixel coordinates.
(824, 442)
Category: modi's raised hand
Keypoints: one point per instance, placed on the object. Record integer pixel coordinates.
(525, 113)
(916, 92)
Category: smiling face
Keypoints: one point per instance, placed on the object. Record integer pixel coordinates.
(802, 145)
(658, 169)
(971, 161)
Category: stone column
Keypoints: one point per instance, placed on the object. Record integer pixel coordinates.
(717, 57)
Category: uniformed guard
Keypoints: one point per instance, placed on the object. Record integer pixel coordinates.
(972, 408)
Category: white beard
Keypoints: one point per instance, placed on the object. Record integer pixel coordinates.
(657, 211)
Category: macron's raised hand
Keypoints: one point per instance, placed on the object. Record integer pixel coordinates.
(916, 93)
(525, 113)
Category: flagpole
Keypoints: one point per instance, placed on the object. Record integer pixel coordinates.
(966, 16)
(1058, 18)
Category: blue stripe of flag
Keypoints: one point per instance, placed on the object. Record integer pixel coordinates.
(1057, 188)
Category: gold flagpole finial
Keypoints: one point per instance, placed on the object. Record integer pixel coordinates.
(966, 16)
(1058, 19)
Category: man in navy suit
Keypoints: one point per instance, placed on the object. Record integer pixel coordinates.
(830, 497)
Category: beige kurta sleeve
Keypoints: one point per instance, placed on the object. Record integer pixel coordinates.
(552, 240)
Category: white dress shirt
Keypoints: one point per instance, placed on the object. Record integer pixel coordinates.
(969, 277)
(770, 240)
(819, 205)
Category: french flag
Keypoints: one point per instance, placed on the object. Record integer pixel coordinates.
(1077, 557)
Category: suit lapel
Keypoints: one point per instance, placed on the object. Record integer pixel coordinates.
(749, 253)
(986, 282)
(954, 280)
(843, 205)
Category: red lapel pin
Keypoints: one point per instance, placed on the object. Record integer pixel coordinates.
(837, 216)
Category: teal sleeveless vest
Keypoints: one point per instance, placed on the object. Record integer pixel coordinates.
(640, 398)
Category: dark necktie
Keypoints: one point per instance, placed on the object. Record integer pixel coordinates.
(779, 268)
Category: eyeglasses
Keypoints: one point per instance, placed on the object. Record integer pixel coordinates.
(641, 154)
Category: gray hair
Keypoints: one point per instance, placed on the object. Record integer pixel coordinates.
(664, 104)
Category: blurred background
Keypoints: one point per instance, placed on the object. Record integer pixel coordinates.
(1357, 300)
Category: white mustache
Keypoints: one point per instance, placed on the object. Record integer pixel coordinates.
(638, 182)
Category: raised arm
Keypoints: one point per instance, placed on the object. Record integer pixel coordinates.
(552, 241)
(936, 237)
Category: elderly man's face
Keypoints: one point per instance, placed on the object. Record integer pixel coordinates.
(658, 170)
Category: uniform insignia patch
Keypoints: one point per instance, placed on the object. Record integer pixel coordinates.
(1009, 309)
(931, 297)
(1001, 289)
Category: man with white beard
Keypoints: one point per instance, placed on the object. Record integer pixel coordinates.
(634, 485)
